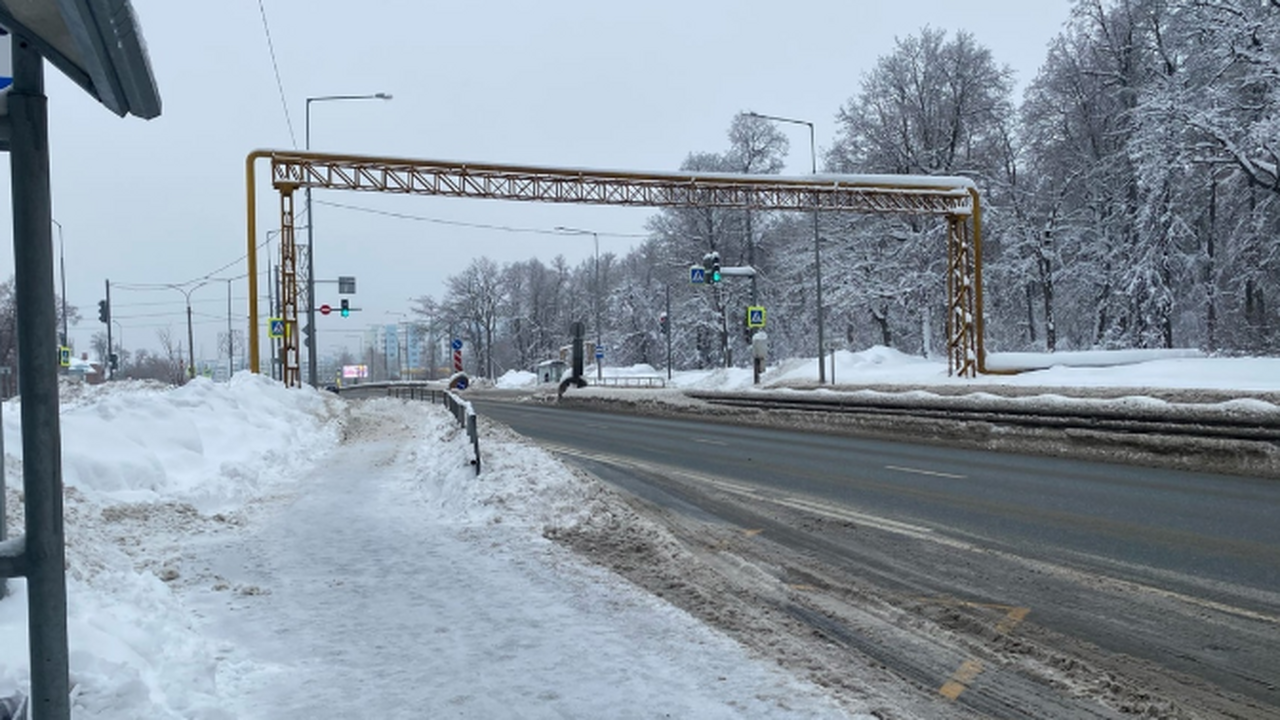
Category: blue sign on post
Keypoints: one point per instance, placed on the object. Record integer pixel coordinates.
(599, 353)
(755, 316)
(456, 344)
(276, 328)
(6, 61)
(697, 275)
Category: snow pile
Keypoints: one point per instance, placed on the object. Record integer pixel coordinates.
(135, 456)
(516, 379)
(203, 443)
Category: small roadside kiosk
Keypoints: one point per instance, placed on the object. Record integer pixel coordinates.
(550, 371)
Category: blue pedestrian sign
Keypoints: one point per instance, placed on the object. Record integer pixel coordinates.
(275, 328)
(755, 316)
(456, 344)
(6, 61)
(697, 275)
(599, 353)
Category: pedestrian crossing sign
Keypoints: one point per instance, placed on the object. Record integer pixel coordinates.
(755, 316)
(275, 328)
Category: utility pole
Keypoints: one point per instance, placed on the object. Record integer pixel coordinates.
(111, 374)
(668, 331)
(231, 346)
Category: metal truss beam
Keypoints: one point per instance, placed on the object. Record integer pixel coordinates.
(953, 198)
(598, 187)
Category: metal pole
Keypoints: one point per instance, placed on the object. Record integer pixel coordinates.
(191, 344)
(817, 258)
(311, 263)
(4, 582)
(669, 331)
(62, 270)
(817, 252)
(599, 360)
(311, 272)
(111, 375)
(119, 344)
(231, 346)
(45, 553)
(271, 304)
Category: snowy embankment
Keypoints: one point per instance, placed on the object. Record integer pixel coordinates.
(243, 551)
(1115, 380)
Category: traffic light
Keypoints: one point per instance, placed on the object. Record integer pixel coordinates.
(663, 325)
(346, 307)
(115, 362)
(714, 275)
(104, 312)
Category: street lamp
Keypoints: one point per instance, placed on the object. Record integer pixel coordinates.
(596, 237)
(311, 264)
(817, 253)
(186, 293)
(62, 268)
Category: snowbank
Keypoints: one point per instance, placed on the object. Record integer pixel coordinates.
(136, 456)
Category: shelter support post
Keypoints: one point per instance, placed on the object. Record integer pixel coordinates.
(43, 557)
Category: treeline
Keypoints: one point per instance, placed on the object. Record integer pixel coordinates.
(1131, 200)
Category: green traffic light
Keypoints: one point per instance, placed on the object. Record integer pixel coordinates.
(715, 276)
(346, 312)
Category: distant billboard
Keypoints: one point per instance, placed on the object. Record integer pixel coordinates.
(350, 372)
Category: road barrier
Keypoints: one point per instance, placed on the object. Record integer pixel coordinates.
(642, 381)
(461, 409)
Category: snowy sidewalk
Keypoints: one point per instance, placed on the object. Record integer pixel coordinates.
(378, 592)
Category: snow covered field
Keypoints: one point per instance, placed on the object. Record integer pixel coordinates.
(245, 551)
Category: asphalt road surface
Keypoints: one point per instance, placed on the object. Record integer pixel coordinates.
(1167, 580)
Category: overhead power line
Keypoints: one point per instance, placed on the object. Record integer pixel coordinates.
(459, 223)
(276, 68)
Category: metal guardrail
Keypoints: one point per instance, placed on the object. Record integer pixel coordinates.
(459, 408)
(645, 381)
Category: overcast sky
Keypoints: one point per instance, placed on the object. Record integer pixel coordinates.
(579, 83)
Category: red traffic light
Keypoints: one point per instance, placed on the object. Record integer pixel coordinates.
(325, 309)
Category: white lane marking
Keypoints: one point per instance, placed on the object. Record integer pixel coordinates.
(923, 533)
(705, 441)
(918, 471)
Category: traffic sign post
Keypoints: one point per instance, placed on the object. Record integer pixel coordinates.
(275, 328)
(325, 309)
(64, 356)
(755, 316)
(697, 275)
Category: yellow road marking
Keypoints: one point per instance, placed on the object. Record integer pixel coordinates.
(959, 682)
(1011, 620)
(753, 532)
(801, 586)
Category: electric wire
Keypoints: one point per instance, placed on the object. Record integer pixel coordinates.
(459, 223)
(293, 138)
